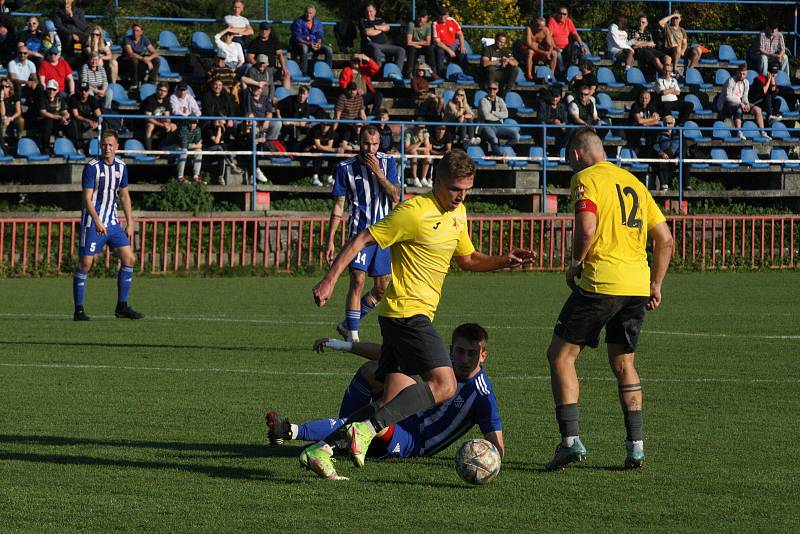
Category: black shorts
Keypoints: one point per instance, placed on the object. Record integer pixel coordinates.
(411, 346)
(584, 314)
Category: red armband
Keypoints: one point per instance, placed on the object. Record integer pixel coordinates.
(585, 205)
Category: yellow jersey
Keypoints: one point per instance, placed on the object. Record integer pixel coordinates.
(423, 238)
(617, 260)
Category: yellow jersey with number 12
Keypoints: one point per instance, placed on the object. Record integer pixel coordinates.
(423, 238)
(617, 260)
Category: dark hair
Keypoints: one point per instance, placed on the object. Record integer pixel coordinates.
(455, 164)
(499, 35)
(471, 332)
(422, 12)
(302, 89)
(369, 129)
(136, 25)
(622, 22)
(163, 84)
(110, 133)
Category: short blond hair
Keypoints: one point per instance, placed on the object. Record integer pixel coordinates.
(454, 165)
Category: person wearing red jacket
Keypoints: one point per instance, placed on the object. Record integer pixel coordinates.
(360, 71)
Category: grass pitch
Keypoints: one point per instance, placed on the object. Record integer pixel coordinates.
(157, 425)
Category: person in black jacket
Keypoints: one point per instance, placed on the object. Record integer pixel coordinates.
(71, 26)
(218, 102)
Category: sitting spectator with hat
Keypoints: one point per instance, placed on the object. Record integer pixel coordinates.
(55, 68)
(429, 105)
(182, 103)
(54, 115)
(234, 55)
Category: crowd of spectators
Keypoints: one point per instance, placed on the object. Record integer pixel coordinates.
(42, 95)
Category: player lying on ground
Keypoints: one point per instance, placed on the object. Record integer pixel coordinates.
(422, 434)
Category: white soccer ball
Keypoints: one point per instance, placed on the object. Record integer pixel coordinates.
(477, 461)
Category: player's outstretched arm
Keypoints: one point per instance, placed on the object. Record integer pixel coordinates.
(496, 439)
(323, 290)
(370, 351)
(480, 262)
(662, 253)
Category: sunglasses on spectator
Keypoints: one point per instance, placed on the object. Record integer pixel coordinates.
(586, 94)
(563, 13)
(493, 88)
(97, 34)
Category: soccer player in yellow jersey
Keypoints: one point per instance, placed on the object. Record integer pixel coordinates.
(612, 286)
(424, 234)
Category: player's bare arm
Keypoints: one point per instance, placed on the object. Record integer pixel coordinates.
(496, 439)
(479, 262)
(336, 217)
(323, 290)
(662, 253)
(582, 237)
(125, 200)
(370, 351)
(89, 205)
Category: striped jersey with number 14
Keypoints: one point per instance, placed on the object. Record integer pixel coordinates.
(368, 201)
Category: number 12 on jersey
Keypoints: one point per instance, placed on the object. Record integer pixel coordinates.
(629, 219)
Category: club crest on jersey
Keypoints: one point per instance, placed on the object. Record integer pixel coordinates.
(455, 224)
(579, 192)
(458, 402)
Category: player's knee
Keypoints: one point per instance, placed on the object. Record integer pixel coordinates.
(86, 263)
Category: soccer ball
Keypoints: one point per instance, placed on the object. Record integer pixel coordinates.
(477, 462)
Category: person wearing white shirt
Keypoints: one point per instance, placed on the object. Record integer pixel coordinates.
(21, 68)
(239, 25)
(182, 103)
(735, 101)
(234, 55)
(617, 42)
(669, 92)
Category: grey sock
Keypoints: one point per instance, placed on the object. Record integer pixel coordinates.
(408, 402)
(633, 425)
(338, 439)
(567, 416)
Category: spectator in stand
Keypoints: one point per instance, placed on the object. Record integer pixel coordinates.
(182, 103)
(458, 110)
(31, 39)
(56, 68)
(581, 109)
(419, 42)
(138, 53)
(585, 77)
(217, 136)
(538, 47)
(429, 105)
(243, 141)
(257, 104)
(218, 102)
(322, 139)
(51, 40)
(448, 40)
(645, 47)
(293, 110)
(157, 107)
(94, 75)
(349, 106)
(190, 138)
(234, 55)
(21, 68)
(10, 112)
(54, 115)
(667, 146)
(498, 64)
(32, 93)
(417, 143)
(360, 71)
(221, 71)
(260, 75)
(764, 94)
(85, 111)
(553, 112)
(375, 40)
(387, 135)
(769, 49)
(569, 44)
(643, 113)
(676, 42)
(96, 44)
(8, 29)
(441, 141)
(267, 44)
(617, 42)
(71, 26)
(493, 110)
(239, 25)
(307, 39)
(669, 93)
(735, 101)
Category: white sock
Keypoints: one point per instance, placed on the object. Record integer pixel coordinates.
(325, 447)
(568, 441)
(295, 429)
(352, 336)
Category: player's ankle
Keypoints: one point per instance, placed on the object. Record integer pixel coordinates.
(569, 441)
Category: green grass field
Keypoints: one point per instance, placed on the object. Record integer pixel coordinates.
(157, 425)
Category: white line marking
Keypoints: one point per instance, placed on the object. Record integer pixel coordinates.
(76, 366)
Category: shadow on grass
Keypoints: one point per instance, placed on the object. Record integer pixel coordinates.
(84, 344)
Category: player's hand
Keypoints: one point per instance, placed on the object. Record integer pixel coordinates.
(572, 274)
(372, 163)
(333, 344)
(322, 292)
(330, 253)
(129, 231)
(655, 297)
(319, 344)
(519, 257)
(100, 228)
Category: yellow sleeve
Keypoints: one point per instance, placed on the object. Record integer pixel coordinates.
(464, 246)
(400, 225)
(583, 188)
(654, 215)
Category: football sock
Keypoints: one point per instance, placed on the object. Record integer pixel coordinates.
(124, 282)
(79, 286)
(351, 320)
(567, 416)
(358, 394)
(368, 303)
(338, 438)
(633, 425)
(294, 430)
(316, 430)
(408, 402)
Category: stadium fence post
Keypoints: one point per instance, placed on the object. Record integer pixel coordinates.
(266, 9)
(543, 163)
(254, 164)
(413, 9)
(680, 168)
(402, 162)
(541, 8)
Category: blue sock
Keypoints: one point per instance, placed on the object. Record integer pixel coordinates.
(124, 282)
(366, 305)
(79, 286)
(357, 396)
(318, 430)
(351, 319)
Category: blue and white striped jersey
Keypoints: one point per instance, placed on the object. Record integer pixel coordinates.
(368, 202)
(106, 181)
(473, 404)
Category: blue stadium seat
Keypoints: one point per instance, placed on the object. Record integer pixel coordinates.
(295, 73)
(5, 158)
(282, 92)
(317, 97)
(779, 153)
(723, 133)
(476, 153)
(120, 95)
(522, 82)
(545, 75)
(635, 77)
(391, 72)
(145, 90)
(782, 80)
(694, 100)
(604, 102)
(28, 149)
(63, 147)
(562, 156)
(629, 153)
(751, 75)
(514, 102)
(536, 153)
(164, 70)
(324, 74)
(720, 154)
(785, 111)
(447, 96)
(94, 147)
(692, 131)
(472, 57)
(3, 71)
(611, 137)
(752, 132)
(508, 152)
(168, 40)
(456, 74)
(572, 71)
(514, 124)
(605, 76)
(695, 80)
(590, 56)
(477, 97)
(721, 77)
(750, 158)
(202, 42)
(727, 54)
(135, 144)
(779, 132)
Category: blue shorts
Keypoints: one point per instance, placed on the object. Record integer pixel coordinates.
(92, 243)
(376, 261)
(405, 442)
